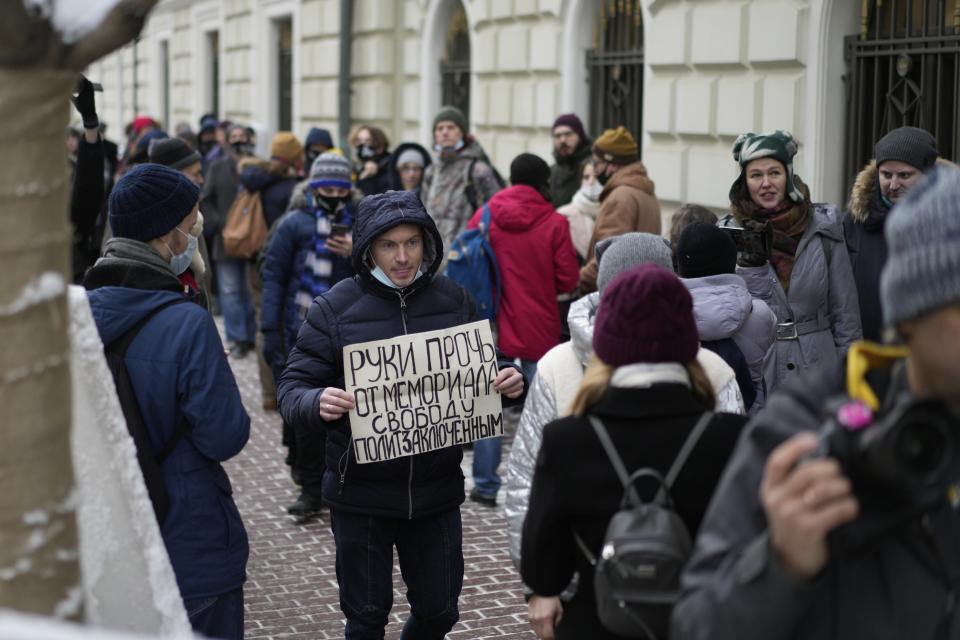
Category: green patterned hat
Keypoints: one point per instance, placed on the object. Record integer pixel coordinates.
(779, 145)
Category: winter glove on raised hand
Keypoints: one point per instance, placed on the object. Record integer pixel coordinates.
(756, 259)
(85, 104)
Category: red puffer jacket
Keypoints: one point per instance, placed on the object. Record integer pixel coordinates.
(537, 261)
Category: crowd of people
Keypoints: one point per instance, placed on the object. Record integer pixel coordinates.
(706, 357)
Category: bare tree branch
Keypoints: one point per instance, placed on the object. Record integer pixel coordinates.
(121, 25)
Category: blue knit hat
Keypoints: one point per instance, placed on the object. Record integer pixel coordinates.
(150, 200)
(331, 170)
(922, 273)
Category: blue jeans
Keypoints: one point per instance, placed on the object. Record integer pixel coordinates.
(217, 616)
(430, 551)
(236, 301)
(488, 452)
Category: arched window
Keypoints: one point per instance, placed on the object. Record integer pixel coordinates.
(904, 69)
(616, 67)
(455, 64)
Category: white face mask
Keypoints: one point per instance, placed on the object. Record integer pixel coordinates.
(180, 262)
(382, 276)
(591, 191)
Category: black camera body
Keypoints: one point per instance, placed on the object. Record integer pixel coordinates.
(749, 241)
(901, 464)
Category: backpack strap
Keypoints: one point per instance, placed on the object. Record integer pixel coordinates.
(471, 189)
(688, 446)
(120, 346)
(485, 219)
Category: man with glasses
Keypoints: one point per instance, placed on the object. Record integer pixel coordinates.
(627, 202)
(571, 149)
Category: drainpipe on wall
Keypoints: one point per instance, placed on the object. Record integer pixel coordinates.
(346, 49)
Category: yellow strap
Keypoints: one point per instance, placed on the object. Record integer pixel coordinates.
(863, 357)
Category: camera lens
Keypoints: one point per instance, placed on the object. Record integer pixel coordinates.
(922, 447)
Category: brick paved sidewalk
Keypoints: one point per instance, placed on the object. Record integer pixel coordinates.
(291, 591)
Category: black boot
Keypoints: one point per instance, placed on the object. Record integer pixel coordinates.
(305, 505)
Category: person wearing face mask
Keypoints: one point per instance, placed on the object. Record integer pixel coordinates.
(375, 172)
(411, 503)
(627, 202)
(183, 384)
(461, 178)
(806, 280)
(308, 252)
(581, 212)
(410, 160)
(219, 192)
(318, 141)
(537, 262)
(571, 148)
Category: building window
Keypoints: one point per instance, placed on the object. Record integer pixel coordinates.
(455, 64)
(284, 30)
(904, 69)
(615, 67)
(213, 71)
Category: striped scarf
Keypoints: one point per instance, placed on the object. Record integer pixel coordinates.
(317, 273)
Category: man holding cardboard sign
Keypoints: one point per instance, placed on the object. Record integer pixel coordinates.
(395, 480)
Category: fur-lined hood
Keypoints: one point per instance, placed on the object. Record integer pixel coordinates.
(865, 191)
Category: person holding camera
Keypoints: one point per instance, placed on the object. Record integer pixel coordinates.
(854, 534)
(308, 252)
(793, 257)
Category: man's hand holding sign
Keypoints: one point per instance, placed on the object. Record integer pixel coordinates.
(420, 392)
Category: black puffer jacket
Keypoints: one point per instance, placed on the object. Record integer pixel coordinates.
(359, 310)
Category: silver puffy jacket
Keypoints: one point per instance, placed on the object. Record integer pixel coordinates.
(542, 407)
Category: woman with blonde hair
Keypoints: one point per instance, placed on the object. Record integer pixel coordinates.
(647, 389)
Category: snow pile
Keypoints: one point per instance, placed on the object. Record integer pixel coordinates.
(46, 286)
(72, 19)
(127, 578)
(15, 625)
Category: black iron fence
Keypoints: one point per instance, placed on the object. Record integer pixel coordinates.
(615, 68)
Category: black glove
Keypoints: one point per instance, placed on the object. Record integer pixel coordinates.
(85, 104)
(272, 349)
(756, 258)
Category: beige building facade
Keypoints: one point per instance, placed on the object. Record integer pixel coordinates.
(708, 70)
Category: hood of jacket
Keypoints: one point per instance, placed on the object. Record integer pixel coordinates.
(256, 178)
(633, 175)
(378, 215)
(519, 208)
(580, 319)
(427, 159)
(721, 304)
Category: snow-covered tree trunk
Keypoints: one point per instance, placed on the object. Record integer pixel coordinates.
(43, 45)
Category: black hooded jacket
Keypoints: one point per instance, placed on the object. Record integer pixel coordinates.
(362, 309)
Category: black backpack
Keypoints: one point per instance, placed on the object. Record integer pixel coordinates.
(645, 548)
(149, 463)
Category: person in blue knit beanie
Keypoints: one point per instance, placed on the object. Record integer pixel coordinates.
(182, 388)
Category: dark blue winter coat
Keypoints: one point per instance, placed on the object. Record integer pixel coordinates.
(359, 310)
(275, 191)
(290, 243)
(178, 368)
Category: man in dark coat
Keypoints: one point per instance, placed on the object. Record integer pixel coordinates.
(86, 197)
(179, 373)
(571, 148)
(771, 560)
(902, 157)
(412, 502)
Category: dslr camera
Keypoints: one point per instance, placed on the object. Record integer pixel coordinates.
(750, 241)
(901, 464)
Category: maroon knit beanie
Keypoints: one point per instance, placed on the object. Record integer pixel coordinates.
(645, 315)
(570, 120)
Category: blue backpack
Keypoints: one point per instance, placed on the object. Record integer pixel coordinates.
(472, 264)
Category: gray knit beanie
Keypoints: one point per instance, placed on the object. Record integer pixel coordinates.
(331, 170)
(619, 253)
(914, 146)
(451, 114)
(922, 273)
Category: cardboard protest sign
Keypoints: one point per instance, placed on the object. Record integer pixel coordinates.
(423, 391)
